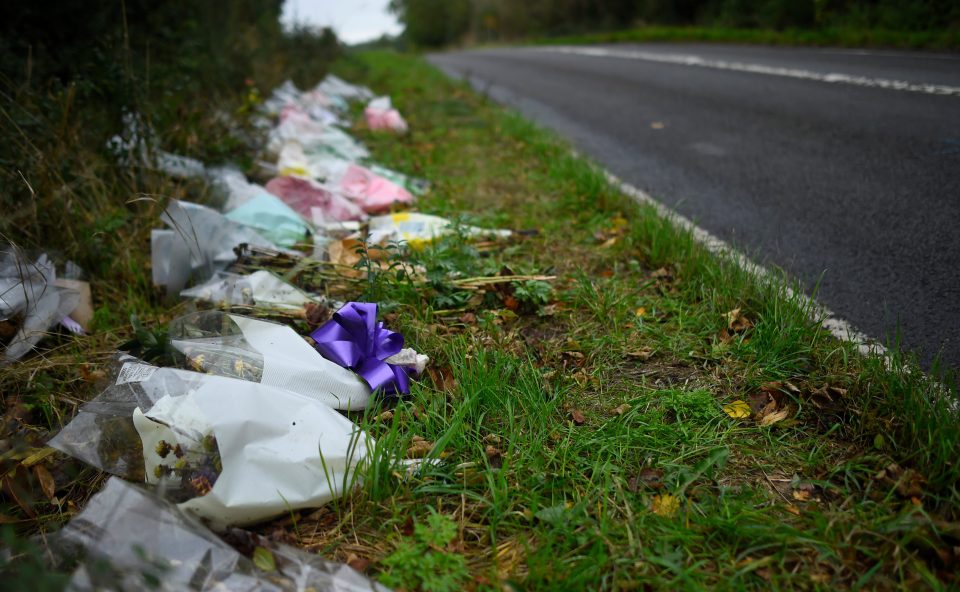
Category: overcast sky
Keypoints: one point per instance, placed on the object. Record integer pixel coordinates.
(353, 20)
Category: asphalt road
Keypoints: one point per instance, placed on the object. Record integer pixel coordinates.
(852, 181)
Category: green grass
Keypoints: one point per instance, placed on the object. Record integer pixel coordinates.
(577, 440)
(810, 502)
(823, 37)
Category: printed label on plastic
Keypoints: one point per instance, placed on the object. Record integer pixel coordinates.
(134, 372)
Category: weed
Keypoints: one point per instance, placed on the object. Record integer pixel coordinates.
(424, 563)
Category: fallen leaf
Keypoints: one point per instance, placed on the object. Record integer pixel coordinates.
(652, 478)
(494, 456)
(316, 314)
(345, 253)
(384, 417)
(805, 492)
(609, 243)
(621, 409)
(264, 560)
(47, 484)
(492, 439)
(910, 484)
(792, 509)
(419, 448)
(577, 417)
(665, 505)
(662, 272)
(642, 354)
(737, 410)
(820, 578)
(511, 303)
(640, 311)
(360, 564)
(776, 416)
(737, 322)
(758, 402)
(91, 376)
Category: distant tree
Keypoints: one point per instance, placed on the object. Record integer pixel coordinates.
(433, 23)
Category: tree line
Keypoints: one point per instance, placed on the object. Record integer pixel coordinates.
(441, 22)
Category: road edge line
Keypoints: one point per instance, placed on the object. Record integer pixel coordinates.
(836, 326)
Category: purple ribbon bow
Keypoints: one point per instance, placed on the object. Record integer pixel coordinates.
(354, 339)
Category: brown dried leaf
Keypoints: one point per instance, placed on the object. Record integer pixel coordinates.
(47, 483)
(344, 252)
(642, 354)
(360, 564)
(494, 457)
(652, 478)
(419, 447)
(577, 417)
(775, 416)
(621, 409)
(737, 322)
(316, 314)
(910, 484)
(91, 376)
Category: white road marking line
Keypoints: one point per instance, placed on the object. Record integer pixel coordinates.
(836, 326)
(693, 60)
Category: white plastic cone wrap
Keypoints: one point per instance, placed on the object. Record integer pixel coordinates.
(269, 353)
(232, 452)
(128, 539)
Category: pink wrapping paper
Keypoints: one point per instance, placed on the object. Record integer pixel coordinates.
(313, 202)
(385, 119)
(370, 191)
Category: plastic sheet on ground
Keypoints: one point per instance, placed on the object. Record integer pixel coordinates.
(312, 201)
(381, 115)
(269, 353)
(232, 452)
(198, 243)
(314, 136)
(30, 302)
(232, 187)
(334, 86)
(417, 229)
(132, 144)
(128, 539)
(270, 217)
(260, 288)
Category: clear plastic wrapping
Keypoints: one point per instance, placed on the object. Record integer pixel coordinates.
(30, 302)
(269, 353)
(260, 288)
(199, 242)
(229, 451)
(128, 539)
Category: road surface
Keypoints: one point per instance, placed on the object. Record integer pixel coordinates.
(840, 166)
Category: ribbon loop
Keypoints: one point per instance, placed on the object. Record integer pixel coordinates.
(354, 339)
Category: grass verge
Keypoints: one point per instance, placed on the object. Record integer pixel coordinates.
(594, 442)
(825, 37)
(653, 417)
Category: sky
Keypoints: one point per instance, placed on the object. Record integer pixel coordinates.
(354, 21)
